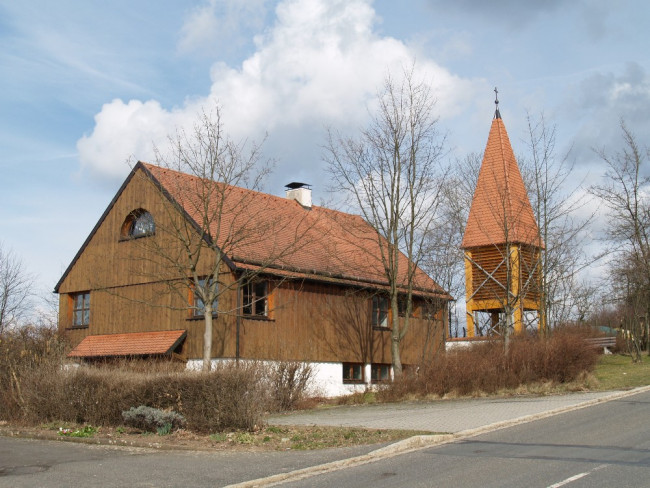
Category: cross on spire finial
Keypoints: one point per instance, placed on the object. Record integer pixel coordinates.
(497, 115)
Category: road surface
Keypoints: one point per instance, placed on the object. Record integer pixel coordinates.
(600, 446)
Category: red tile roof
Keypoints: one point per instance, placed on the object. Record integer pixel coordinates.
(133, 344)
(501, 211)
(261, 230)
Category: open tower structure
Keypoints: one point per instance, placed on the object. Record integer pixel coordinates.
(501, 244)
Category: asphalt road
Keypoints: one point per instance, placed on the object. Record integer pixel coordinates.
(36, 463)
(601, 446)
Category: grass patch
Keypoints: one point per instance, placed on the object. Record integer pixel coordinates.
(618, 372)
(308, 438)
(85, 431)
(358, 398)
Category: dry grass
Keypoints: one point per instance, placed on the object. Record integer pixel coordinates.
(34, 389)
(265, 439)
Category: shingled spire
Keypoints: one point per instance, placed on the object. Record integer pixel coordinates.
(500, 211)
(502, 243)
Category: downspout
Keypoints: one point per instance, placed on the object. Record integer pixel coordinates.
(238, 322)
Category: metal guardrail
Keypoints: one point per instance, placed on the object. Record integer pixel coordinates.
(601, 341)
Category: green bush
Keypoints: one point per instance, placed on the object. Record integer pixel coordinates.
(153, 419)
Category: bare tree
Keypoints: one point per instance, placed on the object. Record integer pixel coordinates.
(555, 201)
(16, 289)
(625, 192)
(442, 255)
(209, 223)
(392, 174)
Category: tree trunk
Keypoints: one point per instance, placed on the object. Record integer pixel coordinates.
(207, 338)
(509, 325)
(395, 337)
(397, 360)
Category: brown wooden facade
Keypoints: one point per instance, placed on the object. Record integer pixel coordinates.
(499, 278)
(310, 318)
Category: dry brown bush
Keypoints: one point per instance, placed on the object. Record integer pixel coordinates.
(486, 368)
(229, 397)
(289, 384)
(35, 387)
(22, 351)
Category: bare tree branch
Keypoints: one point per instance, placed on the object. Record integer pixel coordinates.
(392, 174)
(625, 192)
(16, 290)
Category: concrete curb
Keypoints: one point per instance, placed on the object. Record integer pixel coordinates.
(419, 442)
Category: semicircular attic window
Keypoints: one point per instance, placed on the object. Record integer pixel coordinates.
(138, 223)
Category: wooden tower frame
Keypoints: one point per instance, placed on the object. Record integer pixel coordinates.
(502, 245)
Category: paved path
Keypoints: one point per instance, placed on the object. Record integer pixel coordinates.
(450, 416)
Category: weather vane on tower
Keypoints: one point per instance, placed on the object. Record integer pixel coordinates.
(497, 115)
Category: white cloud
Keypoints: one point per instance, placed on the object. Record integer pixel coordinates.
(218, 24)
(598, 103)
(319, 64)
(127, 130)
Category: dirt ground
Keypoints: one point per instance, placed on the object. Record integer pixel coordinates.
(270, 438)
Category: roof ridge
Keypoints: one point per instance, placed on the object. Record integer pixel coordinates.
(191, 176)
(506, 167)
(319, 208)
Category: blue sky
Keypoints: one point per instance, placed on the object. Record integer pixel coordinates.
(86, 85)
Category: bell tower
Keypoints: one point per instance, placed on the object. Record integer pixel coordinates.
(501, 244)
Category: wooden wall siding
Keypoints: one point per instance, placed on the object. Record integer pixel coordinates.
(490, 259)
(109, 261)
(150, 307)
(530, 265)
(325, 323)
(309, 321)
(124, 283)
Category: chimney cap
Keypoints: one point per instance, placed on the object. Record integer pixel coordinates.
(295, 185)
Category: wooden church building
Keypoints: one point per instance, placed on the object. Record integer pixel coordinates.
(501, 244)
(300, 282)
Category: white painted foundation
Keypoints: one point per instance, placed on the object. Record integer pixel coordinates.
(463, 343)
(327, 377)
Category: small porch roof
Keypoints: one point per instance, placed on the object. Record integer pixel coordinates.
(130, 344)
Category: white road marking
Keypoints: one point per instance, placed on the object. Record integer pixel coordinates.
(576, 477)
(569, 480)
